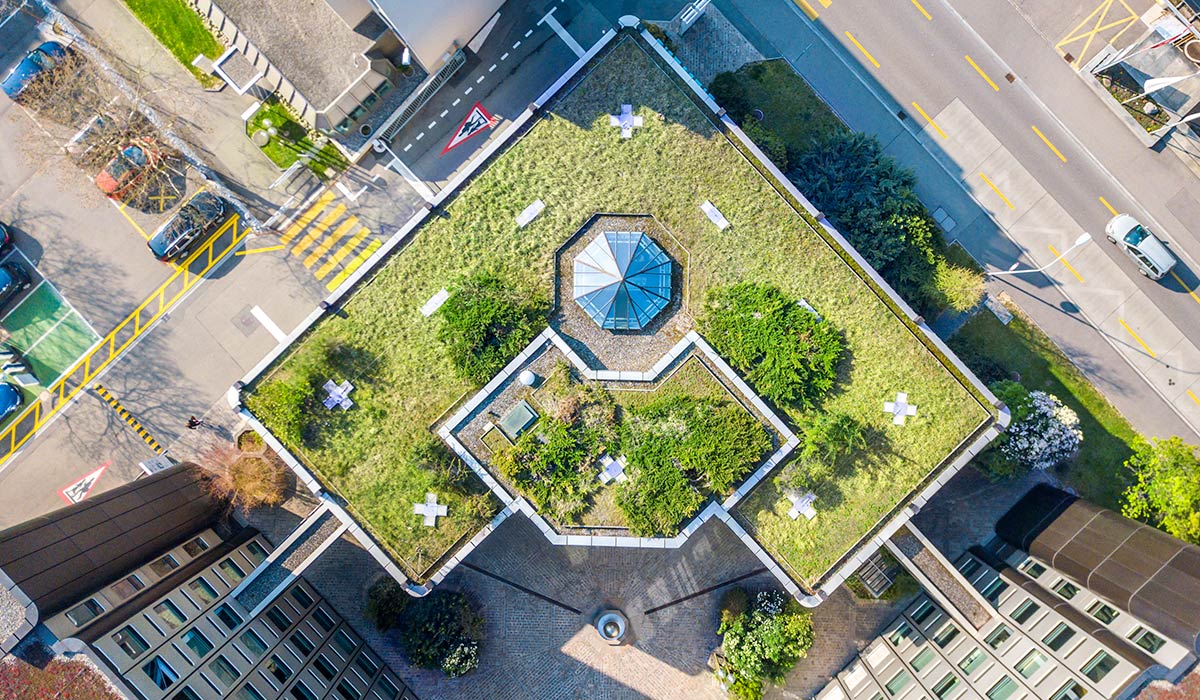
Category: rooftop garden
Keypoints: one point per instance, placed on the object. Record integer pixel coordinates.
(405, 372)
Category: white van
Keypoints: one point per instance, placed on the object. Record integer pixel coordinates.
(1152, 257)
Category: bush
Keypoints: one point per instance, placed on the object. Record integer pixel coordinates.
(768, 141)
(1167, 491)
(435, 629)
(1043, 433)
(552, 463)
(789, 354)
(257, 481)
(730, 92)
(661, 34)
(386, 602)
(954, 287)
(765, 643)
(734, 603)
(658, 497)
(828, 439)
(485, 323)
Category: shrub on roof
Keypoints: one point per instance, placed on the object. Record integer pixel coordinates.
(486, 321)
(442, 631)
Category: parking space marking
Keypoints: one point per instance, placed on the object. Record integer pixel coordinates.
(1049, 145)
(997, 190)
(981, 73)
(1186, 288)
(1081, 33)
(808, 9)
(863, 49)
(1137, 338)
(1189, 393)
(929, 119)
(1108, 206)
(121, 208)
(551, 22)
(267, 323)
(922, 9)
(1065, 263)
(268, 249)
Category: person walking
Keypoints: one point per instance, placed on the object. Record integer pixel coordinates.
(194, 422)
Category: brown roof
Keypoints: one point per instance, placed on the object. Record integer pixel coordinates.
(1144, 571)
(58, 558)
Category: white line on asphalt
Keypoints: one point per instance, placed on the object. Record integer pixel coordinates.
(443, 114)
(504, 56)
(492, 68)
(468, 91)
(267, 323)
(420, 135)
(456, 101)
(432, 124)
(480, 79)
(528, 33)
(516, 45)
(562, 33)
(407, 147)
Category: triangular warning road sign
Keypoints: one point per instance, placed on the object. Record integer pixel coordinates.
(476, 121)
(79, 490)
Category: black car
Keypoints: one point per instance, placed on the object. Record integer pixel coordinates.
(13, 281)
(189, 224)
(6, 239)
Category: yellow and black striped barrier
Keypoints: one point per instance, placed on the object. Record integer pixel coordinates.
(126, 416)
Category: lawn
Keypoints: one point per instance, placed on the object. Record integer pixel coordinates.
(292, 139)
(575, 163)
(1097, 472)
(181, 30)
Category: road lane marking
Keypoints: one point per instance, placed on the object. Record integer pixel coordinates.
(516, 45)
(1135, 337)
(354, 264)
(1186, 288)
(267, 323)
(1189, 391)
(826, 3)
(341, 254)
(307, 217)
(468, 90)
(480, 79)
(929, 119)
(319, 230)
(860, 48)
(268, 249)
(1108, 206)
(338, 234)
(808, 9)
(551, 22)
(492, 68)
(997, 190)
(1049, 145)
(981, 73)
(922, 9)
(504, 56)
(1064, 262)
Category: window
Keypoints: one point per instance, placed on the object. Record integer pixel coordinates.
(898, 682)
(165, 565)
(256, 551)
(357, 113)
(226, 672)
(302, 644)
(195, 547)
(254, 643)
(1070, 691)
(228, 617)
(1025, 611)
(945, 635)
(85, 612)
(248, 692)
(920, 661)
(1066, 589)
(370, 100)
(998, 637)
(232, 571)
(1103, 613)
(302, 597)
(923, 611)
(203, 590)
(387, 688)
(170, 614)
(901, 633)
(186, 693)
(1032, 569)
(301, 692)
(1002, 690)
(276, 667)
(366, 664)
(944, 686)
(968, 567)
(1029, 666)
(324, 667)
(1099, 666)
(323, 619)
(197, 642)
(347, 691)
(1147, 640)
(279, 618)
(993, 590)
(1059, 636)
(972, 661)
(126, 587)
(344, 642)
(160, 673)
(130, 641)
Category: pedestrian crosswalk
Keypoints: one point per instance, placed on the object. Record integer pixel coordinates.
(329, 240)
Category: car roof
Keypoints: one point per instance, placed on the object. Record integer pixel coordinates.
(1157, 252)
(31, 65)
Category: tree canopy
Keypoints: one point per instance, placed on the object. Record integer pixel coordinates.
(1166, 492)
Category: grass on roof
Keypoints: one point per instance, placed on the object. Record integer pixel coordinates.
(181, 30)
(578, 165)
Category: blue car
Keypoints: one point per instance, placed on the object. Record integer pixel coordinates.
(11, 399)
(43, 58)
(13, 281)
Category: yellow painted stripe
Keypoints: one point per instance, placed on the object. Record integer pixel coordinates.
(341, 254)
(808, 9)
(1108, 206)
(1064, 262)
(1135, 337)
(1189, 391)
(922, 9)
(327, 244)
(307, 217)
(825, 3)
(268, 249)
(929, 119)
(129, 218)
(982, 74)
(318, 230)
(354, 265)
(1049, 145)
(997, 190)
(864, 51)
(1185, 287)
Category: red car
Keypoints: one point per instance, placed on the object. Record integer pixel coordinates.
(128, 168)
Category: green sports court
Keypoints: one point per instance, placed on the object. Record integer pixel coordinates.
(49, 332)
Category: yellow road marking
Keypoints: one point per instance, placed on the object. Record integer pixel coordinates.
(341, 254)
(1189, 391)
(260, 250)
(354, 265)
(318, 230)
(327, 244)
(929, 119)
(1089, 35)
(1108, 206)
(860, 48)
(922, 9)
(825, 3)
(1049, 145)
(1186, 288)
(307, 217)
(145, 236)
(1135, 337)
(997, 190)
(808, 9)
(982, 74)
(1064, 262)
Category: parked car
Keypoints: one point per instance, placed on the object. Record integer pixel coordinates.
(11, 398)
(129, 167)
(13, 281)
(43, 58)
(6, 239)
(189, 224)
(1152, 257)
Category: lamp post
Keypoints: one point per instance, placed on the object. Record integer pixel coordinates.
(1155, 84)
(1078, 242)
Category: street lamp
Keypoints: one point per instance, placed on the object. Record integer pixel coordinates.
(1084, 238)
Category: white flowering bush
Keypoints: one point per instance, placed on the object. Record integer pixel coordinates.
(763, 643)
(1044, 433)
(461, 660)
